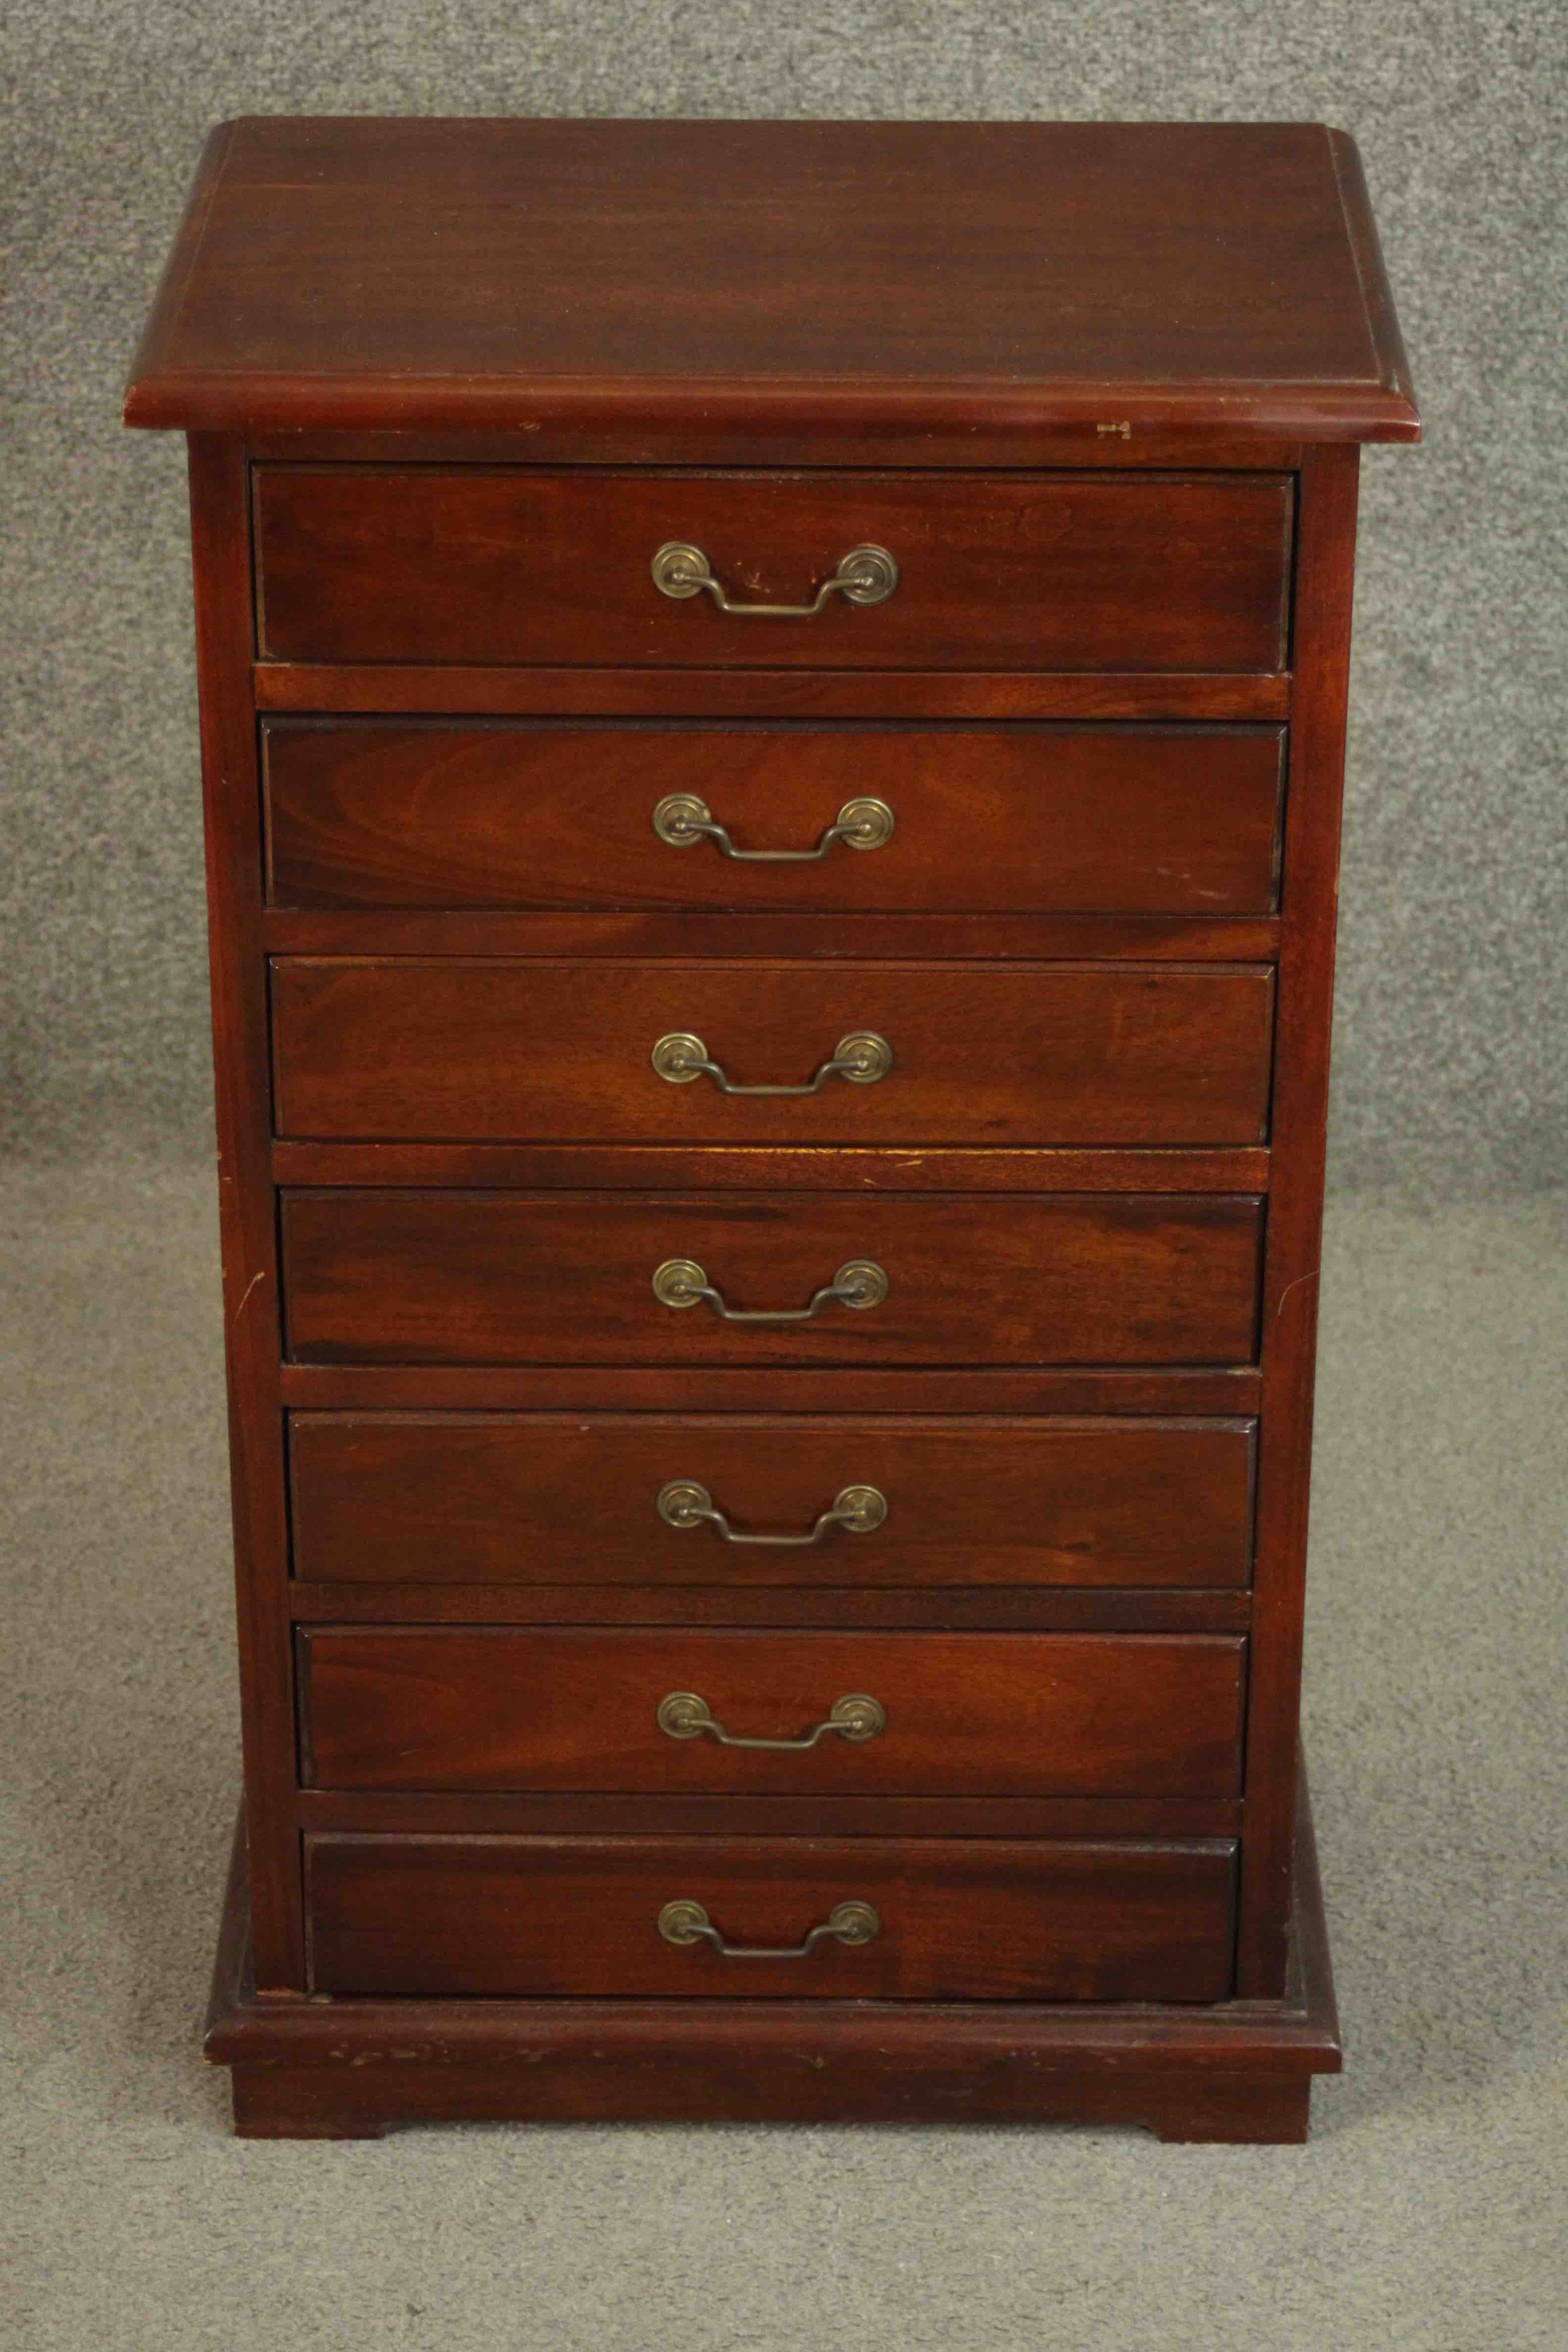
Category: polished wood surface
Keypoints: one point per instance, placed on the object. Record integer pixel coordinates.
(782, 1167)
(1012, 817)
(550, 443)
(781, 277)
(1005, 1054)
(247, 1219)
(953, 939)
(670, 1812)
(441, 695)
(1294, 1255)
(907, 1608)
(459, 689)
(973, 1919)
(978, 1388)
(513, 1499)
(977, 1714)
(1038, 573)
(1028, 572)
(322, 2068)
(412, 1278)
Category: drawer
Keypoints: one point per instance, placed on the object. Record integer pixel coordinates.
(574, 1498)
(983, 1919)
(474, 1049)
(1006, 819)
(1032, 572)
(963, 1715)
(905, 1279)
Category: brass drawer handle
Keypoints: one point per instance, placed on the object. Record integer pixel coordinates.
(683, 1716)
(680, 1282)
(867, 575)
(684, 1922)
(683, 820)
(860, 1058)
(683, 1502)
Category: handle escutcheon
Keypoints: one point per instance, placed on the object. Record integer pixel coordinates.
(685, 1503)
(680, 1282)
(860, 1058)
(867, 575)
(682, 820)
(851, 1923)
(856, 1717)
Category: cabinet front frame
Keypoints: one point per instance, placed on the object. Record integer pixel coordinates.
(1311, 696)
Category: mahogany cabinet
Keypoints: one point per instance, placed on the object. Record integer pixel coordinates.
(773, 710)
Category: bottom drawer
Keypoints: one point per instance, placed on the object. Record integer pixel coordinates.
(905, 1919)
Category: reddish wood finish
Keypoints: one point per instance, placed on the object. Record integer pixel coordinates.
(756, 1814)
(782, 278)
(549, 444)
(420, 1278)
(1108, 819)
(984, 2084)
(959, 939)
(1289, 1322)
(1100, 440)
(968, 1713)
(458, 689)
(1145, 572)
(961, 1920)
(784, 1168)
(983, 1390)
(946, 1607)
(531, 1813)
(467, 1050)
(246, 1215)
(1239, 2070)
(557, 1499)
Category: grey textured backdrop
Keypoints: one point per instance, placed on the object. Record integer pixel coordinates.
(1451, 1068)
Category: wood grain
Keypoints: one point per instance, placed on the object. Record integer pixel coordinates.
(1071, 572)
(325, 2068)
(937, 1608)
(956, 939)
(785, 1167)
(469, 1050)
(551, 1278)
(532, 1813)
(559, 1498)
(783, 278)
(451, 383)
(983, 692)
(866, 445)
(967, 1713)
(961, 1920)
(1108, 819)
(247, 1217)
(774, 1387)
(1294, 1255)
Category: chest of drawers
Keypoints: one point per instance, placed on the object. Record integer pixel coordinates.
(773, 707)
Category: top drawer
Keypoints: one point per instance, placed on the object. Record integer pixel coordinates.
(1029, 571)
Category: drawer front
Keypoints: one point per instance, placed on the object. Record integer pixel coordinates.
(521, 1499)
(461, 1050)
(513, 1278)
(970, 1715)
(1008, 819)
(1152, 572)
(987, 1919)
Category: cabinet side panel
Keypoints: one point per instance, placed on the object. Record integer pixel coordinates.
(221, 552)
(1314, 792)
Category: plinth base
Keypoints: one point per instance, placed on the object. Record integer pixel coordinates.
(348, 2069)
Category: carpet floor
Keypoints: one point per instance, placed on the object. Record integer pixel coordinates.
(1424, 2217)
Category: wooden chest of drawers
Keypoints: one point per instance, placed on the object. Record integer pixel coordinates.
(772, 708)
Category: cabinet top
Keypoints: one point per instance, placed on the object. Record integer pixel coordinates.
(1218, 279)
